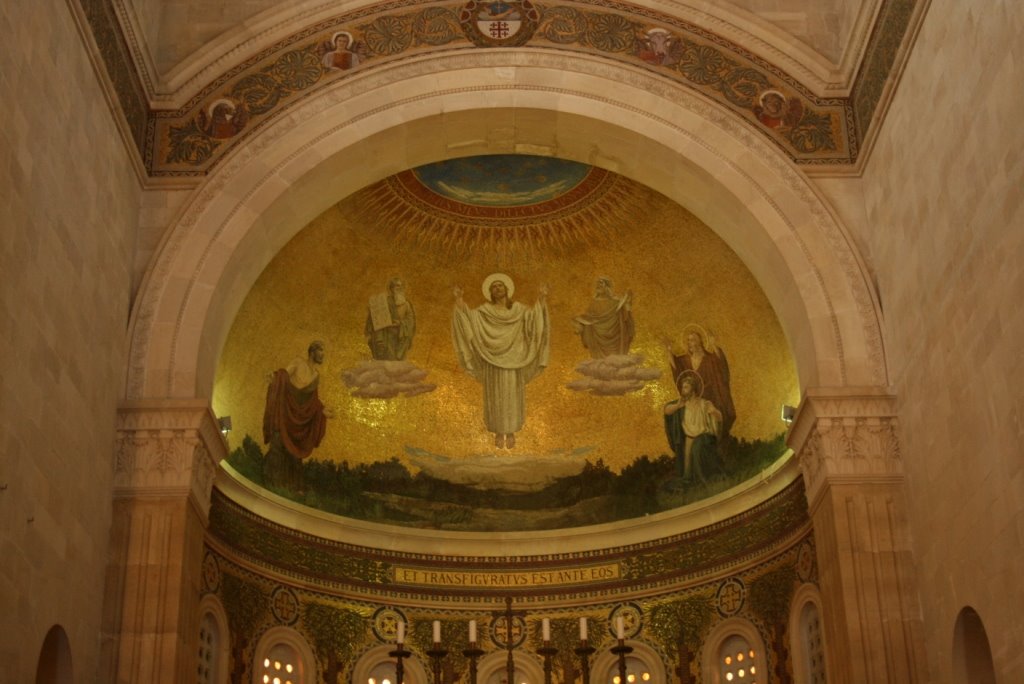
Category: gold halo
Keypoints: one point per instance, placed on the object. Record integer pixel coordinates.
(766, 93)
(334, 39)
(697, 379)
(213, 105)
(509, 285)
(704, 336)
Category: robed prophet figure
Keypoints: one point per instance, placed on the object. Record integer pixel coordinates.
(503, 344)
(295, 420)
(607, 326)
(693, 425)
(390, 323)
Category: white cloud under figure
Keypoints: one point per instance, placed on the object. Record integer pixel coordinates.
(386, 379)
(510, 472)
(613, 375)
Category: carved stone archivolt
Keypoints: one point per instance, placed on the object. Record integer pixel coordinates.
(846, 436)
(167, 449)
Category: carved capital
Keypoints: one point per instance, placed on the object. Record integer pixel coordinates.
(167, 448)
(846, 435)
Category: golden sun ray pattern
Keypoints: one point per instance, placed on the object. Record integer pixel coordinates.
(592, 213)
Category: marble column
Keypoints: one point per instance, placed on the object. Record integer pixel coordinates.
(847, 444)
(166, 456)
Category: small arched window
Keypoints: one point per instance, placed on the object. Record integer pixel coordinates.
(377, 666)
(493, 669)
(212, 650)
(384, 673)
(734, 653)
(807, 636)
(739, 662)
(281, 665)
(283, 657)
(643, 666)
(814, 644)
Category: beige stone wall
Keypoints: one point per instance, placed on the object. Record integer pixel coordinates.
(820, 25)
(945, 227)
(68, 203)
(187, 25)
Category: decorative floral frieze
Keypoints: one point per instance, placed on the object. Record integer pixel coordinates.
(846, 436)
(190, 140)
(167, 450)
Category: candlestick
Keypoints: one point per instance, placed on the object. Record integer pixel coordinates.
(436, 655)
(401, 633)
(583, 629)
(584, 651)
(472, 653)
(399, 654)
(437, 631)
(472, 631)
(621, 650)
(547, 651)
(620, 628)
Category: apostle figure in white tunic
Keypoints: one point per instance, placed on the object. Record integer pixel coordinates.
(504, 345)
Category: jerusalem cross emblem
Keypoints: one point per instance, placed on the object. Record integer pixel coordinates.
(504, 23)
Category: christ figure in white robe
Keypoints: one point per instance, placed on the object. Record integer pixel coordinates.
(503, 344)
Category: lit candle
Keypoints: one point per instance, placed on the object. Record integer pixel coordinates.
(401, 632)
(472, 631)
(620, 628)
(545, 629)
(583, 629)
(437, 631)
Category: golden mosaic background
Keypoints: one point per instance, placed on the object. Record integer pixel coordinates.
(680, 272)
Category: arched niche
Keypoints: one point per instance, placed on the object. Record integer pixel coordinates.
(581, 109)
(972, 655)
(54, 666)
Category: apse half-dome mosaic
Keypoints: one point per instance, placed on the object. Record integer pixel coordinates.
(504, 343)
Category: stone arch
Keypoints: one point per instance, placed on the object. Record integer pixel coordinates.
(276, 24)
(535, 102)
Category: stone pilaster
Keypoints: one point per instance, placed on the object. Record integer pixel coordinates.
(164, 464)
(847, 444)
